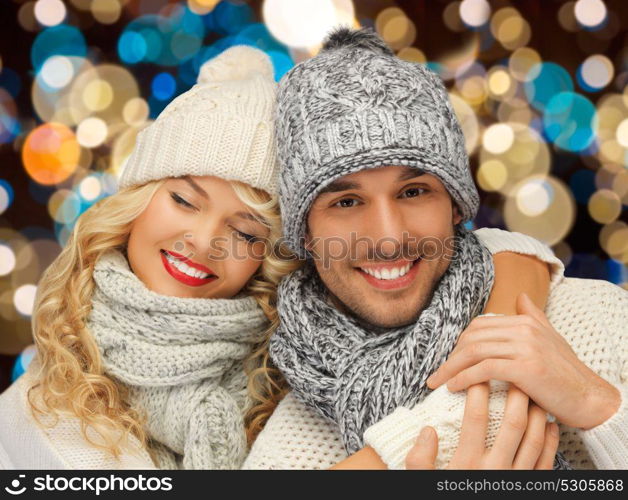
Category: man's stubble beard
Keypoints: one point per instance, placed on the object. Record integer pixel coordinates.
(353, 304)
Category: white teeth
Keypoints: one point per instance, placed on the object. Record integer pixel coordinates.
(184, 268)
(389, 274)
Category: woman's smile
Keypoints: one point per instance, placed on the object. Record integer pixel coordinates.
(185, 271)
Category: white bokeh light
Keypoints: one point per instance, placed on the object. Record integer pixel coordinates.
(57, 72)
(24, 299)
(622, 133)
(475, 12)
(50, 12)
(498, 138)
(4, 199)
(91, 132)
(597, 71)
(90, 188)
(7, 260)
(305, 23)
(590, 13)
(534, 197)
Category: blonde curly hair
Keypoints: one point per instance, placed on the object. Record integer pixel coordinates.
(70, 380)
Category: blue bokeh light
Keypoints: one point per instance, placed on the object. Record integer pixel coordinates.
(9, 126)
(257, 35)
(570, 121)
(282, 63)
(545, 81)
(59, 40)
(22, 362)
(9, 191)
(131, 47)
(163, 86)
(228, 18)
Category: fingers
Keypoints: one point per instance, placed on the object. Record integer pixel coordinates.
(470, 354)
(489, 369)
(423, 454)
(526, 306)
(513, 427)
(499, 322)
(533, 441)
(505, 329)
(552, 437)
(472, 441)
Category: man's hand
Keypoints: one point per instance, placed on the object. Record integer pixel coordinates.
(527, 351)
(526, 440)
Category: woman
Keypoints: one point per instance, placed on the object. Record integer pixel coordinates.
(144, 321)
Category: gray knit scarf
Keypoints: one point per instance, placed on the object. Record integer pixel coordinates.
(182, 361)
(355, 376)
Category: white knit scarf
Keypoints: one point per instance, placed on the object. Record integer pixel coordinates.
(182, 361)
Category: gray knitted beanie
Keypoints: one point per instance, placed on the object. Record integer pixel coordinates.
(355, 106)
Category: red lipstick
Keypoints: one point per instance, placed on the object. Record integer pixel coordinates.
(183, 277)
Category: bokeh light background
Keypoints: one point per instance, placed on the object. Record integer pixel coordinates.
(540, 87)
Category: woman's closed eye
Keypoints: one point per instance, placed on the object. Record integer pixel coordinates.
(249, 238)
(181, 201)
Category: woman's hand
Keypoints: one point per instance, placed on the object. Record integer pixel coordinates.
(526, 440)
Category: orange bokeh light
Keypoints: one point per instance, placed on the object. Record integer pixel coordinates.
(51, 153)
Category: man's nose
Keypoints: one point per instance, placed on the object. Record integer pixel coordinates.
(386, 226)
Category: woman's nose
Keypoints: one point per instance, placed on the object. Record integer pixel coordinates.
(204, 240)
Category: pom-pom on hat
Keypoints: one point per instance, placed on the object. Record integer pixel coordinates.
(223, 126)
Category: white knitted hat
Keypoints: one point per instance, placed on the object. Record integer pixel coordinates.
(222, 126)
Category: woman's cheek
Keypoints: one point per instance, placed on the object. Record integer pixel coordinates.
(238, 272)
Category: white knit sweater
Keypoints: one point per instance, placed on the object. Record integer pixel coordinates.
(25, 445)
(295, 436)
(592, 315)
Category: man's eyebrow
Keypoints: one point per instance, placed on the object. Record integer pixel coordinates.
(341, 185)
(338, 186)
(411, 173)
(196, 187)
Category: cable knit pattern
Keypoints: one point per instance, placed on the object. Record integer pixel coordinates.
(222, 126)
(592, 316)
(182, 360)
(355, 105)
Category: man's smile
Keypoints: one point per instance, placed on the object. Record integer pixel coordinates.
(390, 275)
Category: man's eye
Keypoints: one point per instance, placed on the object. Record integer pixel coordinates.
(346, 203)
(412, 192)
(180, 200)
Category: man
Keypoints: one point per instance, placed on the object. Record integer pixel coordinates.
(375, 186)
